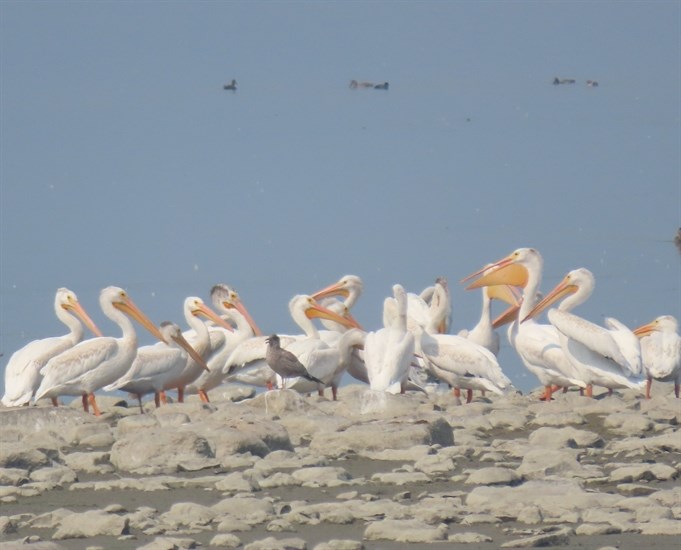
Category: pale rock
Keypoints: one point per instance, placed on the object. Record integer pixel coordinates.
(540, 463)
(558, 419)
(530, 515)
(13, 476)
(169, 543)
(652, 513)
(17, 456)
(339, 544)
(492, 476)
(92, 523)
(161, 451)
(271, 543)
(469, 538)
(49, 520)
(188, 514)
(278, 479)
(7, 525)
(400, 478)
(478, 519)
(593, 529)
(236, 482)
(633, 490)
(669, 527)
(657, 444)
(647, 472)
(411, 454)
(95, 462)
(557, 538)
(57, 475)
(407, 530)
(130, 424)
(371, 437)
(225, 540)
(172, 420)
(508, 419)
(435, 465)
(232, 392)
(560, 438)
(229, 524)
(250, 510)
(279, 525)
(322, 476)
(628, 423)
(91, 435)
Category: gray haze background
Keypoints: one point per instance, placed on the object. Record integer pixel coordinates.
(123, 161)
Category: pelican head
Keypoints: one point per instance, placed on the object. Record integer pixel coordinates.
(119, 299)
(510, 270)
(68, 301)
(224, 296)
(576, 281)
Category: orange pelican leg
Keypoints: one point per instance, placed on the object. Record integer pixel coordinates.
(163, 397)
(589, 390)
(320, 392)
(204, 396)
(649, 383)
(469, 395)
(457, 392)
(334, 392)
(93, 402)
(270, 386)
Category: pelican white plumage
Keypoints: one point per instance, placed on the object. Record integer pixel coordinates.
(247, 362)
(434, 306)
(199, 338)
(22, 373)
(537, 345)
(155, 365)
(607, 356)
(661, 351)
(389, 352)
(97, 362)
(348, 286)
(227, 301)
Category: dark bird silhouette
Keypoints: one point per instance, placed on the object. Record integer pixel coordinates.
(230, 86)
(557, 81)
(284, 363)
(383, 86)
(677, 239)
(591, 83)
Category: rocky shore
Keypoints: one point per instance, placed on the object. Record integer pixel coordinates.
(372, 470)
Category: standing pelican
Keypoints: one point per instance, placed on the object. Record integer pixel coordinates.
(155, 365)
(661, 351)
(199, 339)
(388, 352)
(95, 363)
(608, 357)
(22, 373)
(348, 286)
(537, 345)
(227, 301)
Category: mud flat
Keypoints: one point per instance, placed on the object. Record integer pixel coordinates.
(281, 470)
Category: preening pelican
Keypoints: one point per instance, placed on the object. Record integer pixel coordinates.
(22, 373)
(98, 362)
(199, 339)
(225, 300)
(661, 351)
(155, 365)
(537, 345)
(348, 286)
(389, 352)
(608, 357)
(438, 316)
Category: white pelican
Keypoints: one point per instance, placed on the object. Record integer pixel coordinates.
(389, 352)
(22, 373)
(608, 357)
(438, 314)
(155, 365)
(247, 362)
(95, 363)
(348, 286)
(661, 351)
(460, 363)
(199, 339)
(537, 345)
(227, 301)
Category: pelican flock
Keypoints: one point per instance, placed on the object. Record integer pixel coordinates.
(415, 349)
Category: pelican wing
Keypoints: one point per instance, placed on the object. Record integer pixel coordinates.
(628, 344)
(588, 334)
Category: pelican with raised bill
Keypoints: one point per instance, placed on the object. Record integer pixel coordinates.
(537, 345)
(22, 373)
(98, 362)
(607, 356)
(661, 351)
